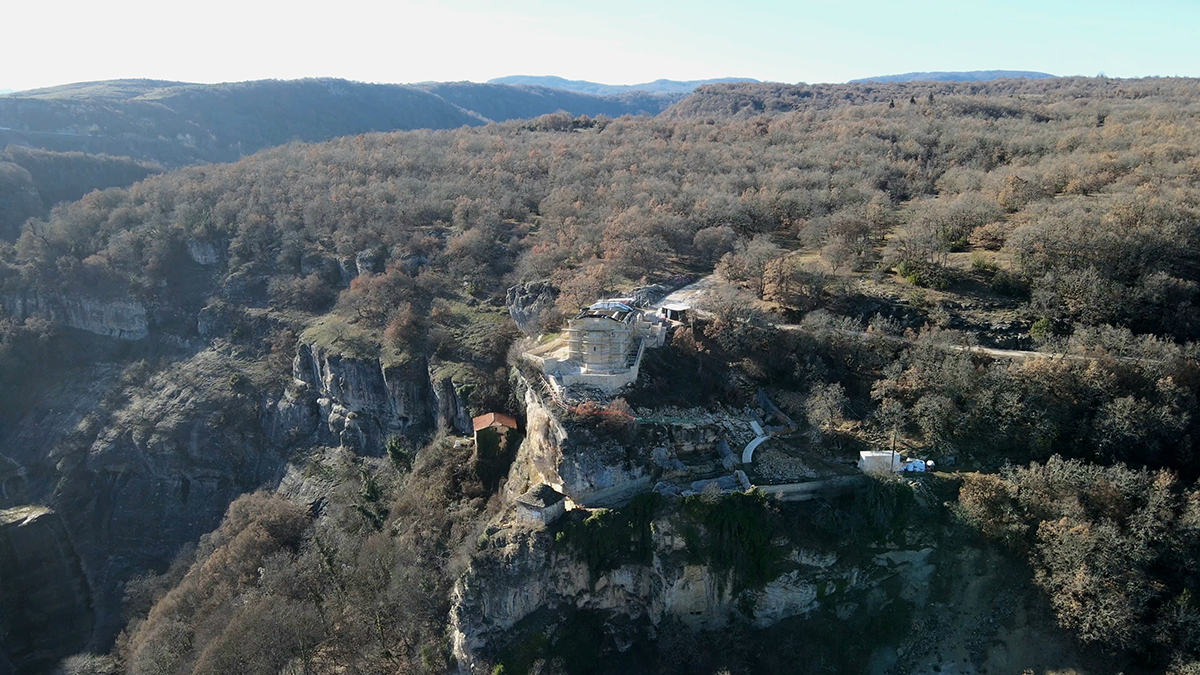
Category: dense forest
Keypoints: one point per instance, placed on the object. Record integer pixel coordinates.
(64, 142)
(32, 181)
(915, 233)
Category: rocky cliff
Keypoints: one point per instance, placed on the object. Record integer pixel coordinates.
(138, 482)
(125, 319)
(45, 603)
(590, 465)
(355, 402)
(205, 252)
(527, 302)
(880, 566)
(452, 413)
(121, 318)
(520, 571)
(137, 462)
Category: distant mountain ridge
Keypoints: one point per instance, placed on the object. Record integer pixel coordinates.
(956, 76)
(661, 86)
(751, 101)
(499, 102)
(179, 123)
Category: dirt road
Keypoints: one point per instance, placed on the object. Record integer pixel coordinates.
(693, 294)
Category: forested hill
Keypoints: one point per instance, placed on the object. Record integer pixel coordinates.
(298, 318)
(32, 181)
(503, 102)
(956, 76)
(66, 141)
(995, 99)
(176, 123)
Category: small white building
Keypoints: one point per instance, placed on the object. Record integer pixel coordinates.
(674, 312)
(879, 461)
(542, 504)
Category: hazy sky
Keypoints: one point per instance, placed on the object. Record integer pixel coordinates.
(46, 42)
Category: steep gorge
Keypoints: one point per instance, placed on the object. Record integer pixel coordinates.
(137, 465)
(45, 600)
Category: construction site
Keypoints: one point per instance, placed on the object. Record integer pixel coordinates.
(602, 347)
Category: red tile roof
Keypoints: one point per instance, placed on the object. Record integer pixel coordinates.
(490, 419)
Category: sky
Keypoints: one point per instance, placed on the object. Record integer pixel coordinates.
(48, 42)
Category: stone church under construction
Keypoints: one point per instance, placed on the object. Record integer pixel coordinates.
(602, 346)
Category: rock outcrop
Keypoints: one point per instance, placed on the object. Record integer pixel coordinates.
(136, 468)
(122, 318)
(529, 572)
(45, 603)
(452, 412)
(526, 303)
(358, 403)
(159, 472)
(205, 253)
(588, 465)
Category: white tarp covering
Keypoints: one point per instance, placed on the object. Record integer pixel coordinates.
(623, 304)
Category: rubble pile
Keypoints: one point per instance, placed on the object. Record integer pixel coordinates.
(775, 466)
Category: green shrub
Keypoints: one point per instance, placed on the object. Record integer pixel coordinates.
(732, 535)
(1041, 329)
(398, 453)
(981, 263)
(1008, 284)
(609, 538)
(924, 274)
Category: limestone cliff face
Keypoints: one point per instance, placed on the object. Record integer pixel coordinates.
(123, 319)
(135, 470)
(355, 402)
(540, 453)
(520, 571)
(158, 473)
(587, 465)
(45, 604)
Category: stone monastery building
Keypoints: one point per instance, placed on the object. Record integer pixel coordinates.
(602, 346)
(601, 337)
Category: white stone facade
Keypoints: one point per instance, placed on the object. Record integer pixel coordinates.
(600, 344)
